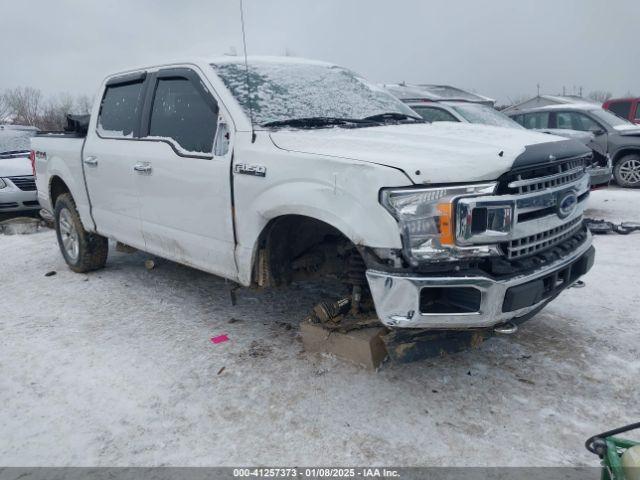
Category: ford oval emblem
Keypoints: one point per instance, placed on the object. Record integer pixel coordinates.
(567, 204)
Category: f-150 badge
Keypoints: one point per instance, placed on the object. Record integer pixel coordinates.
(246, 169)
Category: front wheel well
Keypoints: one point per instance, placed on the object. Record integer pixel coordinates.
(624, 152)
(56, 188)
(293, 247)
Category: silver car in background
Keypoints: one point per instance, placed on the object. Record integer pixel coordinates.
(17, 184)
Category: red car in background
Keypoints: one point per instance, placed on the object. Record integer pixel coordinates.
(628, 108)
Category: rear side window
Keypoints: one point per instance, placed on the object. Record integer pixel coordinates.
(119, 110)
(435, 114)
(637, 111)
(536, 120)
(622, 109)
(181, 113)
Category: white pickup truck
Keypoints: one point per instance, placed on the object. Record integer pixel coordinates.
(283, 169)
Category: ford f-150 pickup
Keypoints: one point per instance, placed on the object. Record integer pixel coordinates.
(280, 169)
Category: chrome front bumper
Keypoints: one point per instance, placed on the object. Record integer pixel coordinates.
(397, 297)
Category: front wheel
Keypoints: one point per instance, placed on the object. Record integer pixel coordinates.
(83, 251)
(627, 171)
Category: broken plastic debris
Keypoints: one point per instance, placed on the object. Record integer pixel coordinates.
(50, 274)
(219, 339)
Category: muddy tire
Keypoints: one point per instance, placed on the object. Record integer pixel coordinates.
(83, 251)
(627, 171)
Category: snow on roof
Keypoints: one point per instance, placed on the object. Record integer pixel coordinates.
(435, 93)
(11, 126)
(562, 106)
(280, 60)
(220, 59)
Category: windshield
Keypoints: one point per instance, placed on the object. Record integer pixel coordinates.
(285, 91)
(15, 140)
(477, 113)
(609, 117)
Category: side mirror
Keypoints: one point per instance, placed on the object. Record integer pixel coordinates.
(597, 131)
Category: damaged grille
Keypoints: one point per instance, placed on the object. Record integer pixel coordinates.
(539, 242)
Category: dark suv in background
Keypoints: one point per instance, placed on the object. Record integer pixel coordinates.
(617, 138)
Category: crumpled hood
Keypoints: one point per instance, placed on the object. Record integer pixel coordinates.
(441, 152)
(14, 167)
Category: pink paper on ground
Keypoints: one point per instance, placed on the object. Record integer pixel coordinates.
(219, 339)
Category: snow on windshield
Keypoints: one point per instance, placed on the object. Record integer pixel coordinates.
(610, 118)
(477, 113)
(15, 140)
(283, 91)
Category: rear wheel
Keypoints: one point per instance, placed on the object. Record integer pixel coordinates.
(83, 251)
(627, 171)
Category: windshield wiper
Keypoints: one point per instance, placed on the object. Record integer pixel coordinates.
(383, 117)
(315, 122)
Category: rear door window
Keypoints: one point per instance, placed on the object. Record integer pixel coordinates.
(434, 114)
(622, 109)
(536, 120)
(637, 116)
(120, 110)
(181, 113)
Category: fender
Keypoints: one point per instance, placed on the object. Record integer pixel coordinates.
(340, 193)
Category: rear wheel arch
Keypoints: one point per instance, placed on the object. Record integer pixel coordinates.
(57, 187)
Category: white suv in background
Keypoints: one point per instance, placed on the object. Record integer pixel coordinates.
(17, 185)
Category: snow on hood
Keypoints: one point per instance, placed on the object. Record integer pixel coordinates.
(443, 152)
(14, 167)
(628, 129)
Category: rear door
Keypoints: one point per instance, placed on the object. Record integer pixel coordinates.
(184, 185)
(109, 157)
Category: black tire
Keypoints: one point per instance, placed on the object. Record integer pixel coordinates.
(627, 171)
(83, 251)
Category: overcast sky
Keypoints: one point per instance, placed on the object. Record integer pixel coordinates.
(501, 48)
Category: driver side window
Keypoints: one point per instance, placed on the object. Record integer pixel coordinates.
(181, 113)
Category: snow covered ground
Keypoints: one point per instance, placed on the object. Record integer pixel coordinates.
(117, 368)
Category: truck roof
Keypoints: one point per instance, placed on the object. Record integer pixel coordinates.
(223, 59)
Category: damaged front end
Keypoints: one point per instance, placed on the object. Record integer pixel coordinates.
(477, 256)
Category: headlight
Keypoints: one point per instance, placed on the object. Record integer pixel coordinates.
(426, 218)
(2, 184)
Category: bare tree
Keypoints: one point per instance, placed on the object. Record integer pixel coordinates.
(83, 104)
(600, 96)
(5, 110)
(54, 113)
(24, 104)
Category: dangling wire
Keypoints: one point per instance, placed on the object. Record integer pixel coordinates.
(246, 68)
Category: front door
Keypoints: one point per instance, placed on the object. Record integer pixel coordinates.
(108, 161)
(184, 186)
